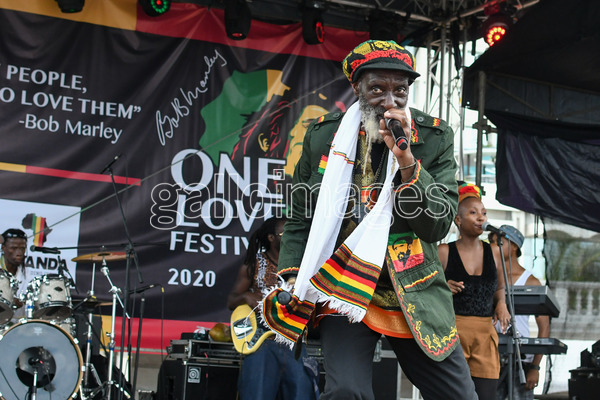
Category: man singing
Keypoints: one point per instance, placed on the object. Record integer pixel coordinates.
(361, 237)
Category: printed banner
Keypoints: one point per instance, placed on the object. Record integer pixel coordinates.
(169, 143)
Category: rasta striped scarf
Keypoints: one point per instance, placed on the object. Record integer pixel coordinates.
(343, 278)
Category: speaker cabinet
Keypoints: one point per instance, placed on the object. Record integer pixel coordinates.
(184, 380)
(584, 384)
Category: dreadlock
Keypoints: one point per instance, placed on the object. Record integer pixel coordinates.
(259, 241)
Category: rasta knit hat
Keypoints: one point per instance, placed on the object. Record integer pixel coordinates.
(379, 54)
(466, 190)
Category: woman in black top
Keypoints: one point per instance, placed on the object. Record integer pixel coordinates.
(477, 283)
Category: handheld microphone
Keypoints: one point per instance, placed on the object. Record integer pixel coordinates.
(143, 288)
(111, 163)
(486, 226)
(398, 132)
(47, 250)
(284, 297)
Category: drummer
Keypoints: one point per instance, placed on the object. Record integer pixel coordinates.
(12, 261)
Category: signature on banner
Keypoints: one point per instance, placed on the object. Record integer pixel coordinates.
(166, 124)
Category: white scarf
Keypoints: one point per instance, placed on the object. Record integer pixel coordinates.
(368, 241)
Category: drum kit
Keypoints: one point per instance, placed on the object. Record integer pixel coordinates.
(40, 356)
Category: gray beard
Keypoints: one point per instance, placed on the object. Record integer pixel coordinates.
(370, 121)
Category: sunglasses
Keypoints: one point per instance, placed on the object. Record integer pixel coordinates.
(18, 235)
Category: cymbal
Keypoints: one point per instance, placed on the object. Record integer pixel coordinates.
(91, 302)
(99, 257)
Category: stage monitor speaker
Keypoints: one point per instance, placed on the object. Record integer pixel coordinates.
(584, 385)
(389, 382)
(181, 380)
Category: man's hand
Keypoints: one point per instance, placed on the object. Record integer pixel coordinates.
(405, 158)
(533, 377)
(388, 137)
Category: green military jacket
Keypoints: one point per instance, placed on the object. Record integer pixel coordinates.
(424, 210)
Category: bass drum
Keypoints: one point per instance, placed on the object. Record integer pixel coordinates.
(39, 346)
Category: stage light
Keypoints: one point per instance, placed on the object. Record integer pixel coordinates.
(312, 22)
(495, 28)
(237, 19)
(70, 6)
(154, 8)
(497, 24)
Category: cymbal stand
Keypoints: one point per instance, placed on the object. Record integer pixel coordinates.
(111, 347)
(88, 345)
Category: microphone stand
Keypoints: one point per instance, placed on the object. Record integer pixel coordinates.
(139, 339)
(130, 251)
(34, 363)
(514, 346)
(68, 277)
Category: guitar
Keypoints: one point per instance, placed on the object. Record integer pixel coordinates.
(246, 333)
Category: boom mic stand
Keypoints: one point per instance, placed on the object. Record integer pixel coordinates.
(34, 362)
(142, 291)
(66, 274)
(513, 343)
(130, 252)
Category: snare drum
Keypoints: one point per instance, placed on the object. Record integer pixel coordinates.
(8, 290)
(51, 297)
(59, 366)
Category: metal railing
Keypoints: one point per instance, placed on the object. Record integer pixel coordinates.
(579, 309)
